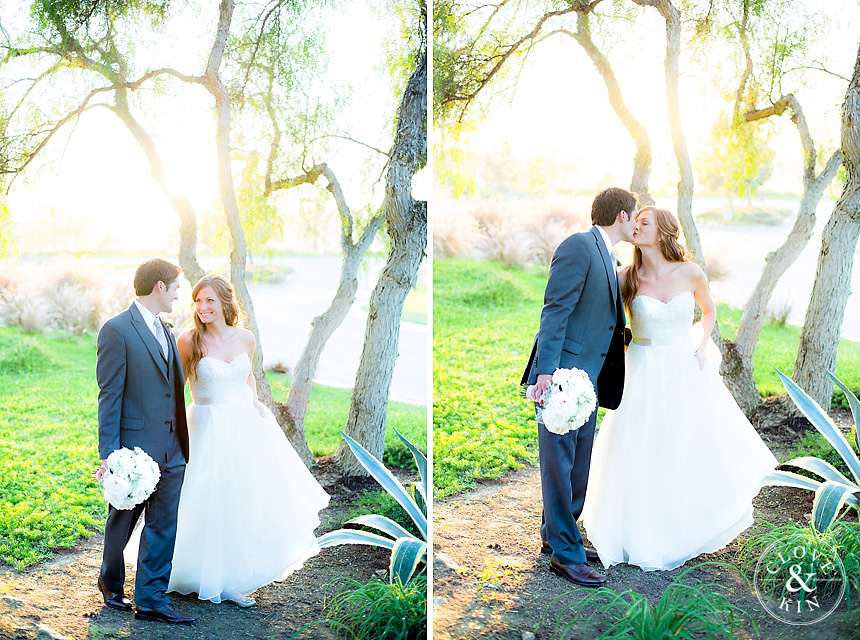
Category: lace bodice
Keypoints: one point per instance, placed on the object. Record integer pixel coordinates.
(220, 381)
(663, 321)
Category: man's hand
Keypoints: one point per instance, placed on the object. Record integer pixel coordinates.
(542, 384)
(100, 470)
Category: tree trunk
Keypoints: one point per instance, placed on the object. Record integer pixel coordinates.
(819, 338)
(406, 221)
(238, 256)
(679, 142)
(291, 416)
(188, 219)
(642, 159)
(673, 102)
(738, 372)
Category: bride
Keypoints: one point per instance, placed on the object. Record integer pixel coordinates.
(249, 506)
(676, 466)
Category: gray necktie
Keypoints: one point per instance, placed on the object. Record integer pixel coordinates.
(614, 260)
(159, 334)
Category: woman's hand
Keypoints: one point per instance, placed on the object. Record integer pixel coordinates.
(701, 358)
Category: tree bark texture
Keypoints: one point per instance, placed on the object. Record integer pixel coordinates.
(819, 338)
(239, 253)
(738, 372)
(406, 221)
(642, 159)
(291, 416)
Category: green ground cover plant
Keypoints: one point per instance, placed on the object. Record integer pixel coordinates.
(484, 320)
(843, 538)
(48, 440)
(687, 609)
(381, 610)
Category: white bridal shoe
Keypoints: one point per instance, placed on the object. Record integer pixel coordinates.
(243, 601)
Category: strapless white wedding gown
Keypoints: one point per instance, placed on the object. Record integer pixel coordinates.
(249, 505)
(676, 466)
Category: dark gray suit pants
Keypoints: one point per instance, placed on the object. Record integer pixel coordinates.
(157, 541)
(564, 465)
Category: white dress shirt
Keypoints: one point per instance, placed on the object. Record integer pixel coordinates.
(608, 242)
(149, 319)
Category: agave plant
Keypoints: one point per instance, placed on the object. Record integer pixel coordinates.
(836, 490)
(407, 551)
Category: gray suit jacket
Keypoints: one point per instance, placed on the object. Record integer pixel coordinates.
(141, 398)
(582, 321)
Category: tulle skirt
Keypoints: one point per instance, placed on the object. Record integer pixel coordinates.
(676, 466)
(249, 506)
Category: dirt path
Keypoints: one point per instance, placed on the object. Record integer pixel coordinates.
(59, 599)
(492, 582)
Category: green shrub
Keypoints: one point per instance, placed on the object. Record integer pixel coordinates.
(381, 610)
(384, 504)
(398, 457)
(843, 538)
(815, 445)
(20, 354)
(687, 609)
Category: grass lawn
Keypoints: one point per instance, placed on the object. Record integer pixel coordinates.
(485, 317)
(48, 440)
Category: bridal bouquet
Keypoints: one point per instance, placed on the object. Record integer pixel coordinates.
(130, 478)
(569, 401)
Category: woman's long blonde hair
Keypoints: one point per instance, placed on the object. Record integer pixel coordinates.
(232, 314)
(668, 232)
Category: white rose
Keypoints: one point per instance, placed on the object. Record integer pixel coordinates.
(559, 409)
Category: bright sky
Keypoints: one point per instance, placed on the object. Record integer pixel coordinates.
(560, 112)
(100, 185)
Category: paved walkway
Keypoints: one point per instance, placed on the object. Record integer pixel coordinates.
(741, 252)
(284, 314)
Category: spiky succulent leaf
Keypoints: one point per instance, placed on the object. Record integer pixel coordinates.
(406, 555)
(821, 421)
(386, 525)
(384, 477)
(828, 502)
(354, 536)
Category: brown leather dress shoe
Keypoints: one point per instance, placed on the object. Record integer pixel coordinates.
(163, 614)
(590, 554)
(580, 574)
(113, 600)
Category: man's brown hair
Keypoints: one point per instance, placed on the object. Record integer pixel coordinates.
(153, 271)
(609, 203)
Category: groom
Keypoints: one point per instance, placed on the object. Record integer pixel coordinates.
(582, 326)
(142, 404)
